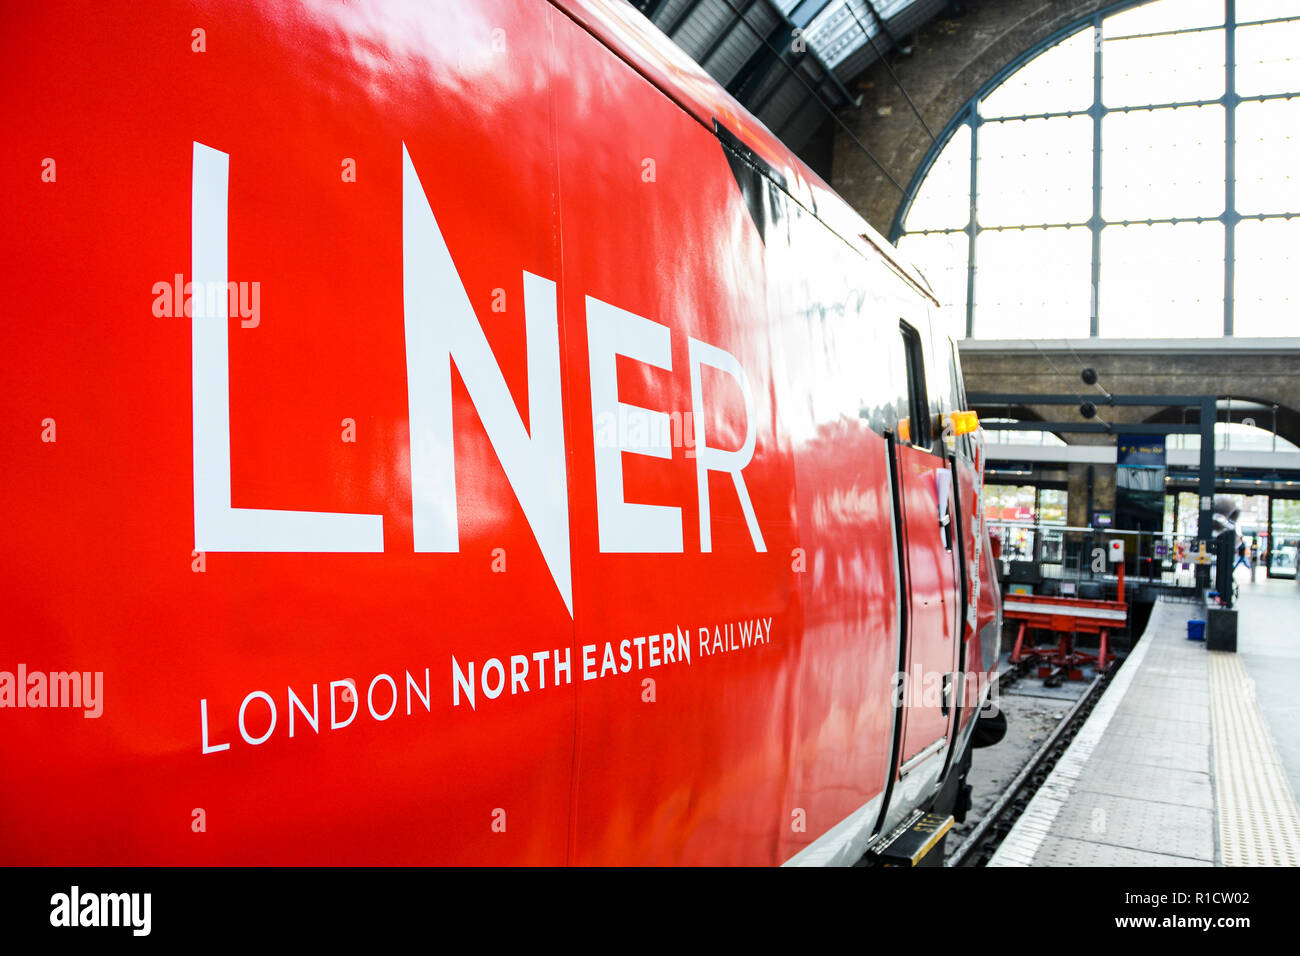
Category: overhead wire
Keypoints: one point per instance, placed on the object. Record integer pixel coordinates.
(881, 57)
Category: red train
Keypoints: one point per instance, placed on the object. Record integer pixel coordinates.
(459, 433)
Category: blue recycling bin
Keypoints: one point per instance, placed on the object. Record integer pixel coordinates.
(1196, 630)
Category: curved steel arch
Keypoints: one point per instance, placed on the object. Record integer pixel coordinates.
(968, 115)
(1288, 419)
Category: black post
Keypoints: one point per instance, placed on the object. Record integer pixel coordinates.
(1205, 485)
(1225, 550)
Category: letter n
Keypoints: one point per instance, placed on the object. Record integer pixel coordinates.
(441, 328)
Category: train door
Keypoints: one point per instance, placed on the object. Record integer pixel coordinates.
(928, 547)
(969, 664)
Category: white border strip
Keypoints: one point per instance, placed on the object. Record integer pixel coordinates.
(1025, 838)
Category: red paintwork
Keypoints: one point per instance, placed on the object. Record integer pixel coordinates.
(933, 593)
(531, 158)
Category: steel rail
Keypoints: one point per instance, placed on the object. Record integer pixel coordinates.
(985, 838)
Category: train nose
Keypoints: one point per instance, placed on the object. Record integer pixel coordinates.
(990, 727)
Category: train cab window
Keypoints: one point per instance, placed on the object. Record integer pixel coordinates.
(915, 428)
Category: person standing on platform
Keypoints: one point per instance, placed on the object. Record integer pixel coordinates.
(1241, 555)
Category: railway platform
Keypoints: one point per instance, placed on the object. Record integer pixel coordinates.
(1188, 759)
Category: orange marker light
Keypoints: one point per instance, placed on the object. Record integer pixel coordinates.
(963, 423)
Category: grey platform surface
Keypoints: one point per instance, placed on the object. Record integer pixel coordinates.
(1182, 761)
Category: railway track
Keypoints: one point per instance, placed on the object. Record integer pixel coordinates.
(980, 845)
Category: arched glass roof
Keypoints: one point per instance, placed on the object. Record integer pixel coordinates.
(1137, 176)
(1018, 437)
(1236, 436)
(780, 57)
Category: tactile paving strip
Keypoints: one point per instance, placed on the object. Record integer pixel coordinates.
(1259, 824)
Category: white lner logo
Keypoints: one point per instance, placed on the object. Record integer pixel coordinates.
(441, 328)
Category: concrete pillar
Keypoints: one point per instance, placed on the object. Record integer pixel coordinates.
(1103, 492)
(1076, 503)
(1104, 481)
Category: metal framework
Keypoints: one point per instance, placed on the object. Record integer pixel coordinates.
(1207, 406)
(789, 61)
(968, 116)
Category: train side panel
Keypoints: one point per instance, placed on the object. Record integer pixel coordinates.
(525, 497)
(684, 592)
(838, 388)
(311, 107)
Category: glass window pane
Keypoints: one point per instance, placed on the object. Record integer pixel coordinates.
(1017, 436)
(943, 201)
(1056, 81)
(1266, 9)
(1268, 144)
(1189, 514)
(941, 257)
(1245, 436)
(1162, 281)
(1268, 59)
(1035, 171)
(1033, 282)
(1163, 69)
(1285, 546)
(1159, 279)
(1009, 502)
(1052, 506)
(1165, 15)
(1159, 164)
(1266, 299)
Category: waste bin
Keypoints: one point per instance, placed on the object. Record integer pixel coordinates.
(1196, 630)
